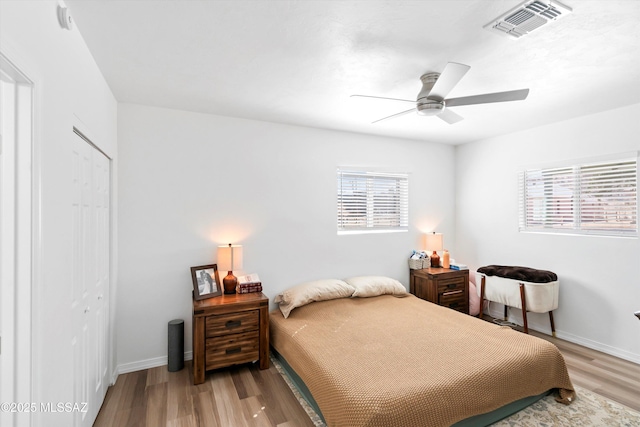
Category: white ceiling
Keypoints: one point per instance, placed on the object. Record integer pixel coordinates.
(297, 62)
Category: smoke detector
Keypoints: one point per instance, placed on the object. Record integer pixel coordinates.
(528, 16)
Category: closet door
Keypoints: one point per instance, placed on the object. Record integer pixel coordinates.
(90, 284)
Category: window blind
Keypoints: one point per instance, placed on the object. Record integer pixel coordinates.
(590, 198)
(372, 201)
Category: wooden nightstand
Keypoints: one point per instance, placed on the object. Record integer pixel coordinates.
(229, 330)
(442, 286)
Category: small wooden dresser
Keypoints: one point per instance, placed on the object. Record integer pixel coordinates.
(442, 286)
(229, 330)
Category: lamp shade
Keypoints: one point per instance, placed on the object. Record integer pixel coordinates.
(433, 242)
(230, 257)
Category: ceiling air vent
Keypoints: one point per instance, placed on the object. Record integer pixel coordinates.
(527, 17)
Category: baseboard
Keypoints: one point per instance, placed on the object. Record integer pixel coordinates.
(543, 327)
(147, 364)
(594, 345)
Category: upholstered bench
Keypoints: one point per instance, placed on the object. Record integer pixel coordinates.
(520, 287)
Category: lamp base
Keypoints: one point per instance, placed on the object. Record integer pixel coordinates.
(229, 282)
(435, 260)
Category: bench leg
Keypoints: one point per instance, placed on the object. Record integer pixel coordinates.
(524, 308)
(482, 283)
(553, 326)
(506, 312)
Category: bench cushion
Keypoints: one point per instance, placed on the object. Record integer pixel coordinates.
(525, 274)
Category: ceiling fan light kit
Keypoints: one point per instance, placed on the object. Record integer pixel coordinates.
(527, 16)
(430, 107)
(436, 86)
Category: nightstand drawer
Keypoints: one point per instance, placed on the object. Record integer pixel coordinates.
(234, 323)
(453, 299)
(232, 349)
(458, 306)
(447, 285)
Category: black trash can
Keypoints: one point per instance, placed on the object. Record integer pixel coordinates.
(176, 345)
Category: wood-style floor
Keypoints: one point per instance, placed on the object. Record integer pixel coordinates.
(608, 376)
(242, 396)
(246, 396)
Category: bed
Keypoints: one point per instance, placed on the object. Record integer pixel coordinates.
(396, 360)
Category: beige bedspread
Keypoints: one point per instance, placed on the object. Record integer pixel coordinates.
(387, 361)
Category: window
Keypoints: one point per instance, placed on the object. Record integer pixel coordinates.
(370, 202)
(588, 198)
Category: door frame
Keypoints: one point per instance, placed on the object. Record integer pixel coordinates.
(27, 240)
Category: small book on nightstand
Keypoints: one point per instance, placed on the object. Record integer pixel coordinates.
(249, 283)
(458, 266)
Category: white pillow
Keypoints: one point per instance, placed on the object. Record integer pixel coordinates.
(371, 286)
(318, 290)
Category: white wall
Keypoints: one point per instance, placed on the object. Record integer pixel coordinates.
(69, 90)
(189, 182)
(599, 276)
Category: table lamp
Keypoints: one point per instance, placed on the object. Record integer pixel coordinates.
(230, 259)
(433, 242)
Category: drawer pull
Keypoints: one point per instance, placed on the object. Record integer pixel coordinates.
(233, 324)
(451, 285)
(233, 350)
(452, 293)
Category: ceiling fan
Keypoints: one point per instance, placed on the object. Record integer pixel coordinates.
(436, 86)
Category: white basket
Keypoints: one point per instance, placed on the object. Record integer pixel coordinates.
(418, 264)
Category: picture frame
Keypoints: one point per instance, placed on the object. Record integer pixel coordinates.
(206, 282)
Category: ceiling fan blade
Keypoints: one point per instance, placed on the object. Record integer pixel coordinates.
(452, 74)
(402, 113)
(380, 97)
(450, 117)
(487, 98)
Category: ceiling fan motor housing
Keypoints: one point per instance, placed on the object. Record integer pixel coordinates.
(428, 80)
